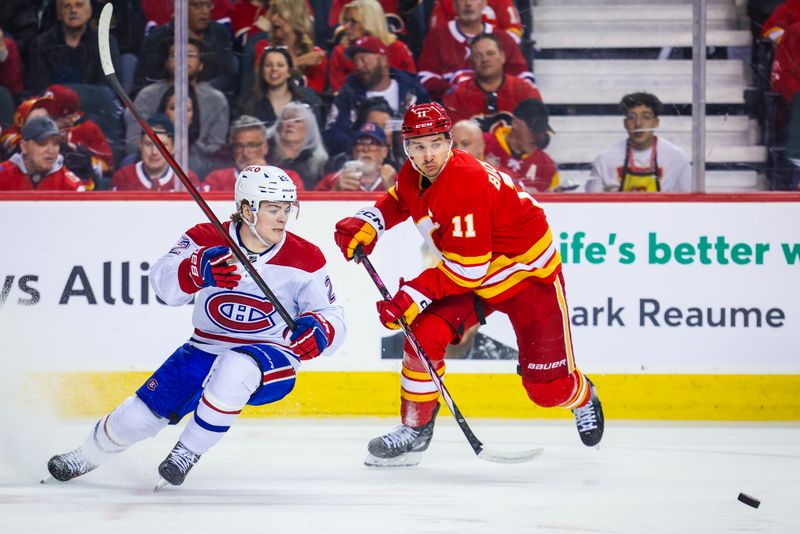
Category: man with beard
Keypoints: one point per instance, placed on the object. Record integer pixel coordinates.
(373, 77)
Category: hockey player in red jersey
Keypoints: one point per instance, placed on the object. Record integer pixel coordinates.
(496, 254)
(241, 352)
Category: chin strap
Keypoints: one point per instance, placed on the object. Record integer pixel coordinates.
(449, 154)
(252, 226)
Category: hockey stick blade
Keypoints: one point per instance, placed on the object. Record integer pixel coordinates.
(504, 457)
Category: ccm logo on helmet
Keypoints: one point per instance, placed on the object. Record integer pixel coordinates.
(240, 312)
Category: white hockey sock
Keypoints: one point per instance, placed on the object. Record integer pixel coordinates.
(130, 422)
(230, 386)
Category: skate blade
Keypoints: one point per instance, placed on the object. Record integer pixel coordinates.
(47, 480)
(409, 459)
(159, 485)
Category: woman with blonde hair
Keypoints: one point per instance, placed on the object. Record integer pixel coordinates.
(292, 27)
(296, 143)
(360, 18)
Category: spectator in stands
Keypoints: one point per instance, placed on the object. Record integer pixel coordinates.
(489, 91)
(518, 150)
(786, 81)
(367, 171)
(152, 172)
(373, 77)
(220, 66)
(83, 138)
(248, 140)
(445, 54)
(10, 65)
(249, 18)
(10, 137)
(642, 162)
(377, 110)
(360, 18)
(502, 14)
(297, 144)
(38, 165)
(292, 27)
(784, 16)
(468, 136)
(159, 12)
(19, 19)
(395, 12)
(274, 87)
(66, 53)
(209, 107)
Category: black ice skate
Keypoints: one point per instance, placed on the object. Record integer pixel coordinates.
(589, 419)
(402, 447)
(70, 465)
(177, 465)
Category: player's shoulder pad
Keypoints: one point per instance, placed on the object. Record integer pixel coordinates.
(205, 235)
(300, 254)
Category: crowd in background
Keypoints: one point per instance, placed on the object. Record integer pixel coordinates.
(316, 87)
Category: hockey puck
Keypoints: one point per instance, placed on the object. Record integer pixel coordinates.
(749, 501)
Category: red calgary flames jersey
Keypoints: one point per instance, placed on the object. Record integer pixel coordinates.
(492, 237)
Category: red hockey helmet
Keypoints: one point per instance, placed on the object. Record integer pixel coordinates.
(425, 119)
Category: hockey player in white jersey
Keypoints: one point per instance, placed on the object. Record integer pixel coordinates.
(241, 351)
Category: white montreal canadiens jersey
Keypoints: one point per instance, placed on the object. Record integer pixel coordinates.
(294, 270)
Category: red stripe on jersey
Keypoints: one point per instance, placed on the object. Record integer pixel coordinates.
(205, 401)
(227, 339)
(282, 373)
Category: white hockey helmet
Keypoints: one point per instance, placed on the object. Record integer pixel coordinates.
(263, 182)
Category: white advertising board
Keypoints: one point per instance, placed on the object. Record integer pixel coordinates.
(673, 287)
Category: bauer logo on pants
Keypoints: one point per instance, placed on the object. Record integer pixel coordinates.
(240, 312)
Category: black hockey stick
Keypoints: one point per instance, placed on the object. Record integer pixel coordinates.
(476, 444)
(111, 77)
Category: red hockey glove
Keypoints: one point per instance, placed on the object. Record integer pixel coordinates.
(207, 266)
(362, 229)
(312, 336)
(401, 305)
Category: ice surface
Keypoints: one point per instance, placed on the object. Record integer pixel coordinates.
(306, 476)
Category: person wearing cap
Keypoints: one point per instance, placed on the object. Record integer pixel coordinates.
(445, 53)
(372, 77)
(10, 137)
(152, 172)
(642, 161)
(367, 171)
(67, 52)
(359, 18)
(496, 253)
(38, 165)
(80, 132)
(489, 93)
(518, 150)
(248, 139)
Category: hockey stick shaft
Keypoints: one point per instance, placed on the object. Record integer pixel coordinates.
(111, 77)
(473, 440)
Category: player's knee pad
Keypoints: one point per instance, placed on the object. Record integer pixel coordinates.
(276, 372)
(234, 379)
(434, 334)
(551, 393)
(132, 421)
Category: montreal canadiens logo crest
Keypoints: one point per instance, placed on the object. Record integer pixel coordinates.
(240, 312)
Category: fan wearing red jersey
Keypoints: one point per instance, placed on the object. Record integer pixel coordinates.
(496, 253)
